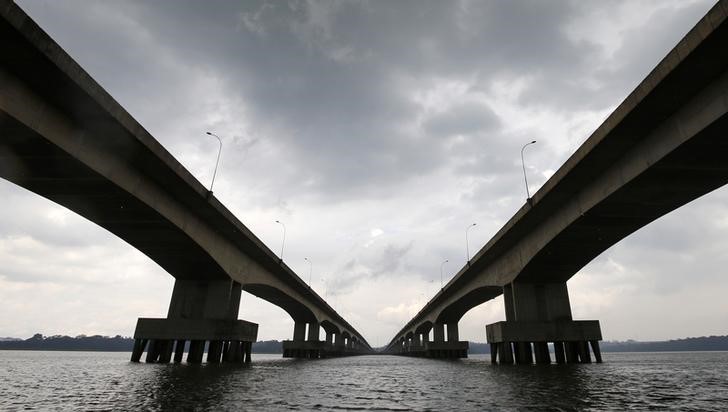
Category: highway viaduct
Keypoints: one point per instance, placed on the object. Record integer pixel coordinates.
(664, 146)
(66, 139)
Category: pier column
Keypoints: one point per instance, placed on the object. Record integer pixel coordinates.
(339, 341)
(299, 331)
(179, 350)
(312, 349)
(538, 313)
(200, 311)
(313, 332)
(438, 334)
(452, 332)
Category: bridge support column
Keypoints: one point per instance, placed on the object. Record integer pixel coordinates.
(339, 344)
(538, 313)
(309, 346)
(328, 349)
(295, 348)
(313, 351)
(200, 311)
(453, 348)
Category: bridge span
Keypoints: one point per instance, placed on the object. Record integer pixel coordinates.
(664, 146)
(66, 139)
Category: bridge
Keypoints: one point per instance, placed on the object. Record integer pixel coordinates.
(663, 147)
(66, 139)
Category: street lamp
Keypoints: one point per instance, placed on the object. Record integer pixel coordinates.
(283, 244)
(467, 244)
(523, 164)
(219, 150)
(441, 265)
(310, 270)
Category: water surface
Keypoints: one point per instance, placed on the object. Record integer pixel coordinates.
(93, 380)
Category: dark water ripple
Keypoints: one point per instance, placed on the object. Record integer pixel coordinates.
(101, 381)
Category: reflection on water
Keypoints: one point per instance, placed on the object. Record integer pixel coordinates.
(87, 380)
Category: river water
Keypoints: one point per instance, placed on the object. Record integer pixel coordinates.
(94, 381)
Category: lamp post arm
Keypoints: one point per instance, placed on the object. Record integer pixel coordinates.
(217, 162)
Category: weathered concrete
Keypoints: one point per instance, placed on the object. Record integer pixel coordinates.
(663, 147)
(196, 329)
(66, 139)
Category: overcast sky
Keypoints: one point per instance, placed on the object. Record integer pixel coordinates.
(377, 131)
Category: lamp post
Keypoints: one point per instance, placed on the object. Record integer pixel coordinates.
(441, 265)
(467, 244)
(310, 270)
(219, 151)
(283, 244)
(523, 164)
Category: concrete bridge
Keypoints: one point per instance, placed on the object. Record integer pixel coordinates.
(664, 146)
(63, 137)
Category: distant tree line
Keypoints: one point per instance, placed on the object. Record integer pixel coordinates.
(102, 344)
(78, 343)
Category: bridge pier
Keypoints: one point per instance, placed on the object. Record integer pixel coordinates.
(200, 311)
(536, 314)
(452, 348)
(308, 346)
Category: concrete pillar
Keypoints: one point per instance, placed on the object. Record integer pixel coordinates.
(139, 345)
(314, 329)
(195, 299)
(541, 350)
(299, 331)
(339, 340)
(584, 355)
(152, 351)
(572, 352)
(329, 337)
(493, 353)
(234, 352)
(248, 351)
(524, 355)
(439, 332)
(596, 350)
(165, 351)
(536, 301)
(559, 353)
(179, 350)
(197, 349)
(452, 332)
(505, 353)
(214, 351)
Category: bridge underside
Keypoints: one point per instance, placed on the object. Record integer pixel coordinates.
(663, 147)
(63, 137)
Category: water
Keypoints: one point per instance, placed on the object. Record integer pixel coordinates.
(93, 380)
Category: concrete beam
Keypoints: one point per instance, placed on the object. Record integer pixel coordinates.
(196, 329)
(555, 331)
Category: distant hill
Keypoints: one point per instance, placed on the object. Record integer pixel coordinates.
(80, 343)
(101, 344)
(703, 343)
